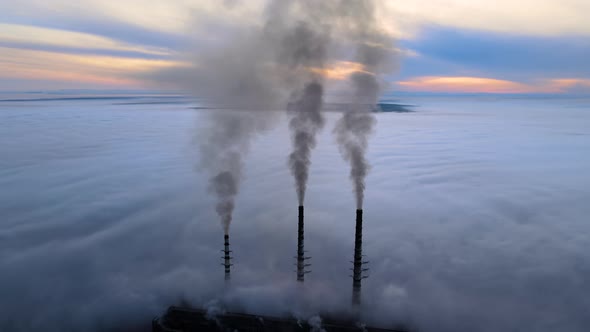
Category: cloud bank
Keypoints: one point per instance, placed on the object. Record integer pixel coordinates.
(472, 222)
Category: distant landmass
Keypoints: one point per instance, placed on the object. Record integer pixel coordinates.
(396, 108)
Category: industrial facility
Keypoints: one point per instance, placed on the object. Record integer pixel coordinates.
(179, 319)
(186, 319)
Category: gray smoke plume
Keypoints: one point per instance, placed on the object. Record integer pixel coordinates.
(222, 148)
(307, 45)
(353, 129)
(276, 65)
(272, 63)
(305, 123)
(352, 132)
(303, 41)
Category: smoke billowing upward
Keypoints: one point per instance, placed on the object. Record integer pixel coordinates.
(283, 63)
(306, 42)
(224, 141)
(353, 129)
(305, 123)
(225, 185)
(303, 46)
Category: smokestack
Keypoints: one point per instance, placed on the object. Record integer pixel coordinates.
(357, 270)
(226, 257)
(300, 252)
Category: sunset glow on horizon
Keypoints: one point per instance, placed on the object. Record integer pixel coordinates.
(456, 47)
(462, 84)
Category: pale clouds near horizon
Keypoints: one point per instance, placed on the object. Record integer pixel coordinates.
(541, 18)
(166, 31)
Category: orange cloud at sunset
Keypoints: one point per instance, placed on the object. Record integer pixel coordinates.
(466, 84)
(463, 84)
(340, 70)
(564, 84)
(55, 66)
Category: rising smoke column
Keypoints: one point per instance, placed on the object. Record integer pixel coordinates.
(240, 82)
(273, 65)
(306, 121)
(373, 52)
(303, 45)
(276, 65)
(259, 71)
(352, 132)
(222, 149)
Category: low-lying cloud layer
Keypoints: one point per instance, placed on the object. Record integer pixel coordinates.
(472, 222)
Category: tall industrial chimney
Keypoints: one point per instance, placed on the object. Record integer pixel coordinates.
(226, 257)
(300, 252)
(357, 270)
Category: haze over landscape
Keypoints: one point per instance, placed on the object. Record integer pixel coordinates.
(132, 135)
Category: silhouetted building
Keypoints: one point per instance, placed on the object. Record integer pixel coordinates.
(179, 319)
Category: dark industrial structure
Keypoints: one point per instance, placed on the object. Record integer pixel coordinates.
(226, 257)
(357, 269)
(301, 265)
(179, 319)
(186, 319)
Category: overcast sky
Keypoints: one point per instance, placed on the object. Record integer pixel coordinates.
(501, 46)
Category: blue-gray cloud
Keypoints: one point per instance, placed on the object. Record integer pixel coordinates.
(454, 52)
(117, 30)
(84, 50)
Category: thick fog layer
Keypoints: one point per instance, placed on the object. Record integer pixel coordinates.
(476, 218)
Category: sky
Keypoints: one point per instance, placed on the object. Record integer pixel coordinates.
(449, 46)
